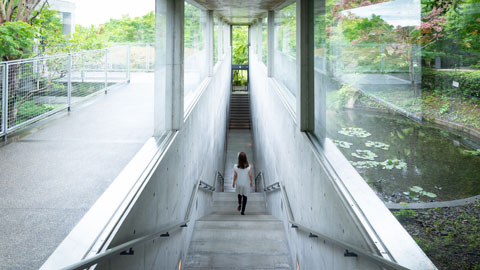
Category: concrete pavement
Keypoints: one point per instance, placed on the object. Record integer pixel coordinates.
(50, 177)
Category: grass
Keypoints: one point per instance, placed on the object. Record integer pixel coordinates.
(449, 236)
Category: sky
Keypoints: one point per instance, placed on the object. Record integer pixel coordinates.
(100, 11)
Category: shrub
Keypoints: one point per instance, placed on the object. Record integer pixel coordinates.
(441, 82)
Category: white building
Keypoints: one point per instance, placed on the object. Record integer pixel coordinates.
(67, 9)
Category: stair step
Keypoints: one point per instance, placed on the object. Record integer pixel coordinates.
(232, 197)
(227, 261)
(218, 246)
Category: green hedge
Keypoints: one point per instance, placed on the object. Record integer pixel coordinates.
(442, 82)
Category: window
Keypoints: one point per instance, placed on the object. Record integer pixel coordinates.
(390, 77)
(195, 52)
(264, 40)
(286, 48)
(216, 33)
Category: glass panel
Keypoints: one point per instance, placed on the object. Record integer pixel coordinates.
(216, 30)
(285, 48)
(400, 83)
(194, 49)
(264, 40)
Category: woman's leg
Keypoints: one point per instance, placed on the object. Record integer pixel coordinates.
(244, 204)
(239, 202)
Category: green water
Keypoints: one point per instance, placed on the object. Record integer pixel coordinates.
(436, 159)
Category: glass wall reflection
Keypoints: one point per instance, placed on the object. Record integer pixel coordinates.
(286, 48)
(195, 50)
(400, 82)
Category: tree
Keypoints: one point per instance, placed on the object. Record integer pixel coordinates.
(126, 29)
(22, 22)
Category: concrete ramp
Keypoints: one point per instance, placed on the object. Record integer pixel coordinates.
(227, 240)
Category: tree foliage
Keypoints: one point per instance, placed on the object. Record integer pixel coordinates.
(16, 39)
(240, 45)
(126, 29)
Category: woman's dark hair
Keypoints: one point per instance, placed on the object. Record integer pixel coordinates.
(242, 160)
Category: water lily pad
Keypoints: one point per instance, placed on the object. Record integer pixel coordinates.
(389, 164)
(342, 144)
(416, 189)
(364, 164)
(377, 145)
(473, 152)
(429, 194)
(352, 131)
(365, 154)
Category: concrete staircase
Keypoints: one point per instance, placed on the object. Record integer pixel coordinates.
(224, 239)
(239, 111)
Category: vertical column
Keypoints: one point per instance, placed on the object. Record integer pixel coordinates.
(69, 83)
(270, 42)
(210, 42)
(168, 93)
(305, 62)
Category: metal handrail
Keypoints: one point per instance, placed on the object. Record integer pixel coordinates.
(127, 247)
(222, 180)
(350, 250)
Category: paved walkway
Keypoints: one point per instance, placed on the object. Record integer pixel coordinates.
(52, 176)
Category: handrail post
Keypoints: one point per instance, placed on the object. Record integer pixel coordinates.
(69, 84)
(128, 62)
(106, 70)
(82, 69)
(147, 57)
(5, 101)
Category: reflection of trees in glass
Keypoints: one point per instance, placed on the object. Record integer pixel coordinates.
(264, 40)
(286, 30)
(193, 39)
(216, 28)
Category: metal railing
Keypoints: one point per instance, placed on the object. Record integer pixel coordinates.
(35, 88)
(221, 180)
(127, 248)
(350, 250)
(142, 56)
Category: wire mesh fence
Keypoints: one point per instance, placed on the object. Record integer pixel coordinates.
(36, 88)
(2, 106)
(142, 57)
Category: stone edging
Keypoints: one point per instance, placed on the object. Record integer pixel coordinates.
(427, 205)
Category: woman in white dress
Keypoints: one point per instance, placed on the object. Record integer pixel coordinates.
(242, 172)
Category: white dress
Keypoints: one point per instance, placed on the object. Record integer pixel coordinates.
(243, 180)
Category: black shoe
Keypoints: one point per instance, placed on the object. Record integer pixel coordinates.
(243, 214)
(239, 207)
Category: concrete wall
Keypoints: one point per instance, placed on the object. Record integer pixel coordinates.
(154, 190)
(336, 203)
(196, 153)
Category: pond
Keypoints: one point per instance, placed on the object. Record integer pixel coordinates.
(406, 161)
